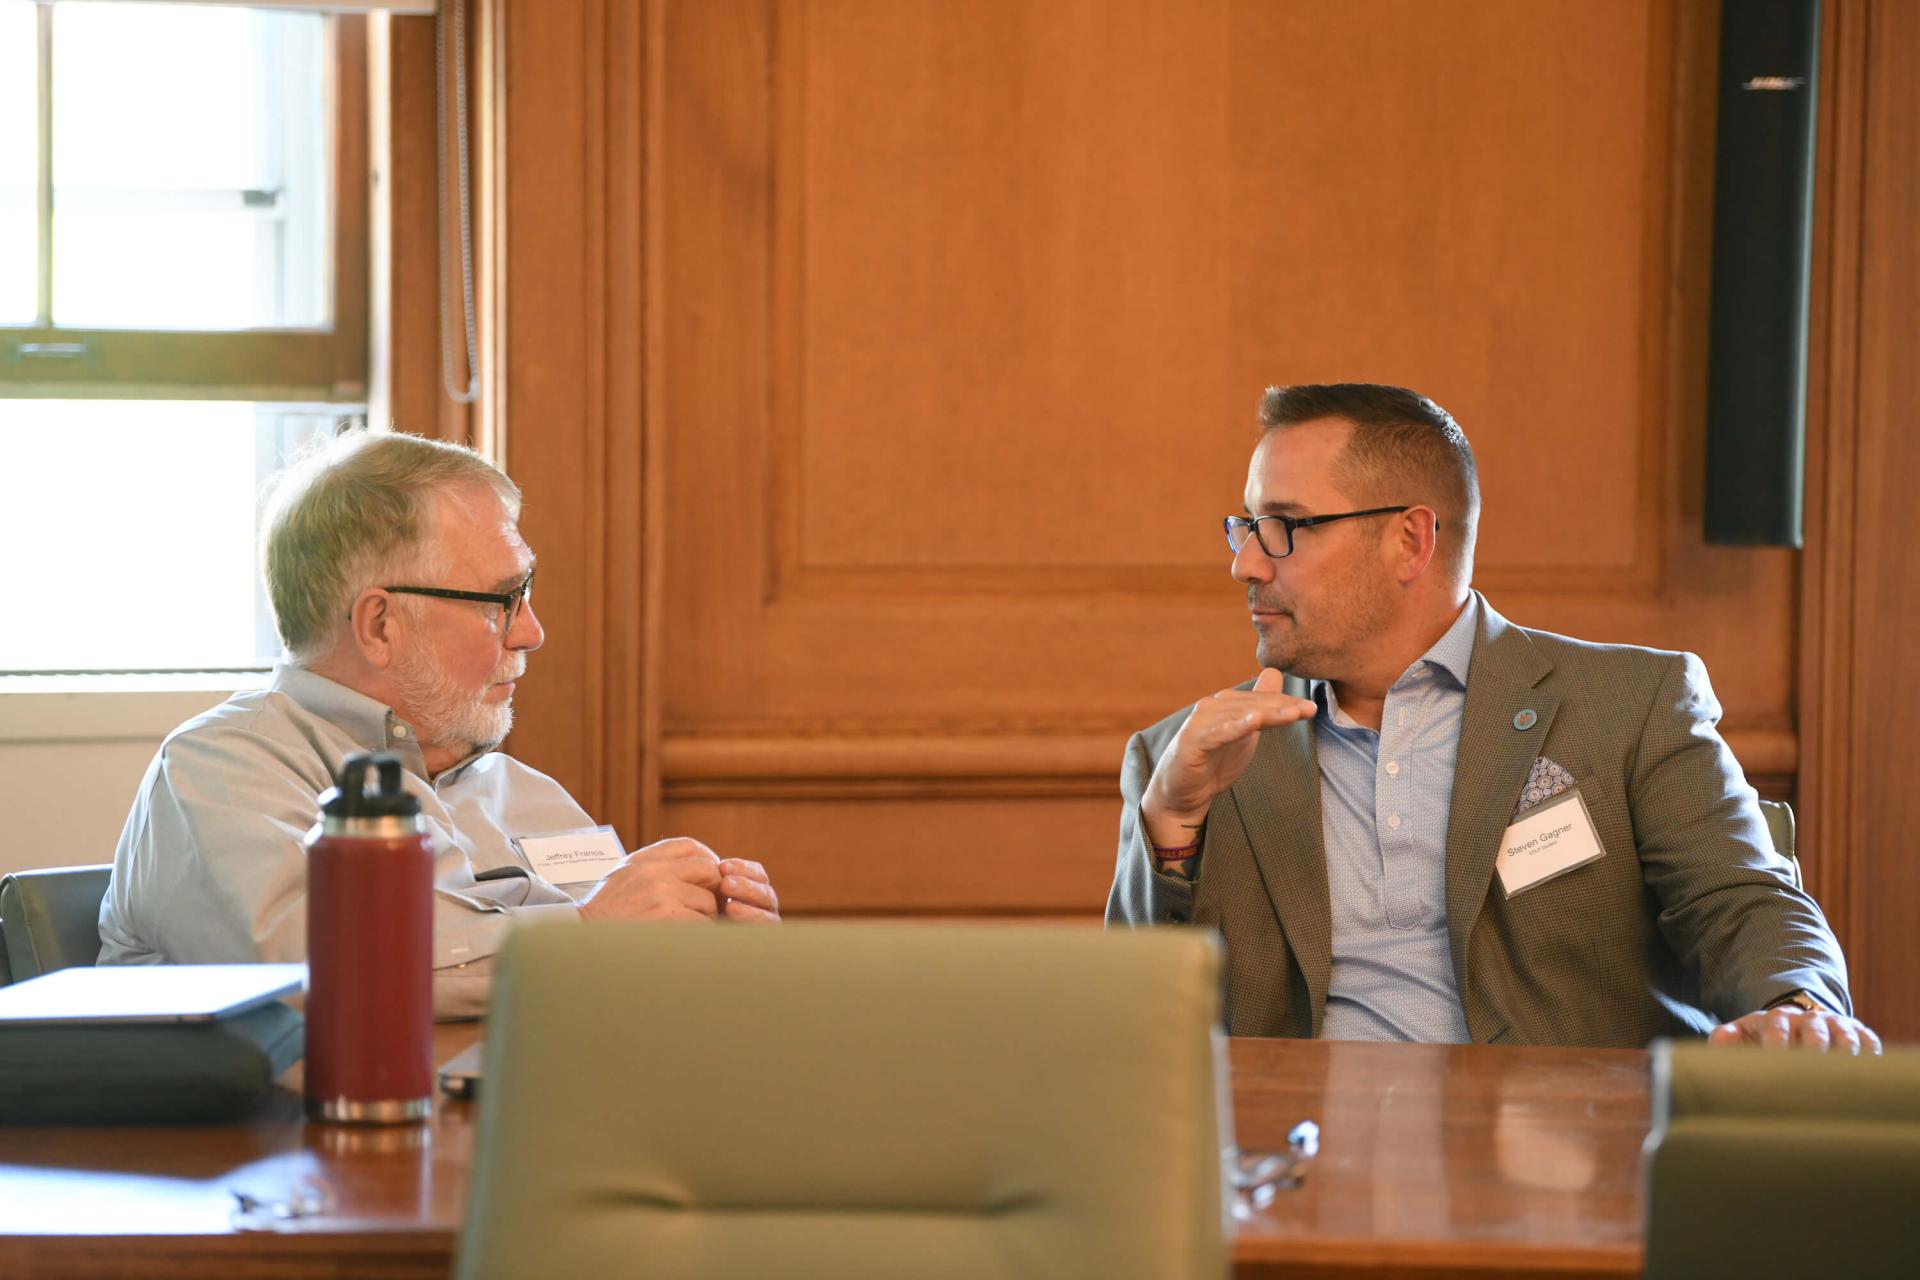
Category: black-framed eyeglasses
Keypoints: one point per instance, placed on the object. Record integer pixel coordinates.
(1239, 528)
(509, 602)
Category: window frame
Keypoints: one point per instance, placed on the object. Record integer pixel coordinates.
(45, 361)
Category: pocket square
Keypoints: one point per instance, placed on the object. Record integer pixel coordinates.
(1544, 781)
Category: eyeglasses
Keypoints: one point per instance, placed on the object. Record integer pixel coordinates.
(508, 602)
(1239, 528)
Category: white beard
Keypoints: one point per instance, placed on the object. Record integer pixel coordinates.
(446, 715)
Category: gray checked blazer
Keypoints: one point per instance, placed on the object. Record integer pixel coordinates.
(1689, 919)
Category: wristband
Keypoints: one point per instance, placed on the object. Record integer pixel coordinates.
(1178, 853)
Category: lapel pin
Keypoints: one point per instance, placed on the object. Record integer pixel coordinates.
(1525, 719)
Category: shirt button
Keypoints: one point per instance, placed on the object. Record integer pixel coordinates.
(399, 731)
(1393, 768)
(1394, 822)
(1403, 715)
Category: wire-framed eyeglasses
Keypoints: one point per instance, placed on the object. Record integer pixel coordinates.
(1240, 528)
(508, 602)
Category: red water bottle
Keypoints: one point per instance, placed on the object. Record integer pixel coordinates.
(369, 950)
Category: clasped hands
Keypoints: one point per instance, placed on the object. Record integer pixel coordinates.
(681, 879)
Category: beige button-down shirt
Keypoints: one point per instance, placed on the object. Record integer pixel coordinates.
(211, 867)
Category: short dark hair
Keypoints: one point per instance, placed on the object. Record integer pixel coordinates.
(1404, 448)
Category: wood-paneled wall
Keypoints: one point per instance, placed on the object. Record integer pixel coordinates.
(1860, 604)
(878, 374)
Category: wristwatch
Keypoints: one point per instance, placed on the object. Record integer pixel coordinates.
(1800, 1000)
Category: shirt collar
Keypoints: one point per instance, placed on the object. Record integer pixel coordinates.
(371, 723)
(364, 719)
(1453, 652)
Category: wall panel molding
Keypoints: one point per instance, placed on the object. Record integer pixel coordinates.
(756, 111)
(1676, 123)
(736, 764)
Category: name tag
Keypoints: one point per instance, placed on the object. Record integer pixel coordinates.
(573, 857)
(1549, 840)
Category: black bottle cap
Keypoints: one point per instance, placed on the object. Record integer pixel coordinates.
(351, 796)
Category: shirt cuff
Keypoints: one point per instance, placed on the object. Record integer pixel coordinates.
(1170, 893)
(1817, 984)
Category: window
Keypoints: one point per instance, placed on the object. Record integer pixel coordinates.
(133, 528)
(182, 308)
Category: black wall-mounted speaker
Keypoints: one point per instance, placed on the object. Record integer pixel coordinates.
(1762, 254)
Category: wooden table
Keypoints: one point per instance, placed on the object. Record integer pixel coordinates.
(1445, 1161)
(1434, 1161)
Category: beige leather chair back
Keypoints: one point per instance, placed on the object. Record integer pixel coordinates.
(1780, 826)
(1769, 1163)
(851, 1100)
(52, 918)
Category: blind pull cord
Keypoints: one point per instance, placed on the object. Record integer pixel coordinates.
(465, 210)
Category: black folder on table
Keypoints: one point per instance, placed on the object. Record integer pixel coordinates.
(155, 1044)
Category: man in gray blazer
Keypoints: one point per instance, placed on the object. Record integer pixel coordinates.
(1437, 825)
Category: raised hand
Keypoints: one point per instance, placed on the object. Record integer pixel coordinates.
(1212, 749)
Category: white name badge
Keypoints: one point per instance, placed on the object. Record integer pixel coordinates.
(572, 857)
(1549, 840)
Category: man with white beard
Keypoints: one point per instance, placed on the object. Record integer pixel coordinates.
(402, 591)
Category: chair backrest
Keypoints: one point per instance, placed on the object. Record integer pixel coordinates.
(53, 918)
(1779, 816)
(1770, 1163)
(851, 1100)
(6, 967)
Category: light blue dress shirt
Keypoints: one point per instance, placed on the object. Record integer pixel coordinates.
(1385, 799)
(212, 868)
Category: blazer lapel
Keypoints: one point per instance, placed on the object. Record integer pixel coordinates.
(1278, 800)
(1491, 769)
